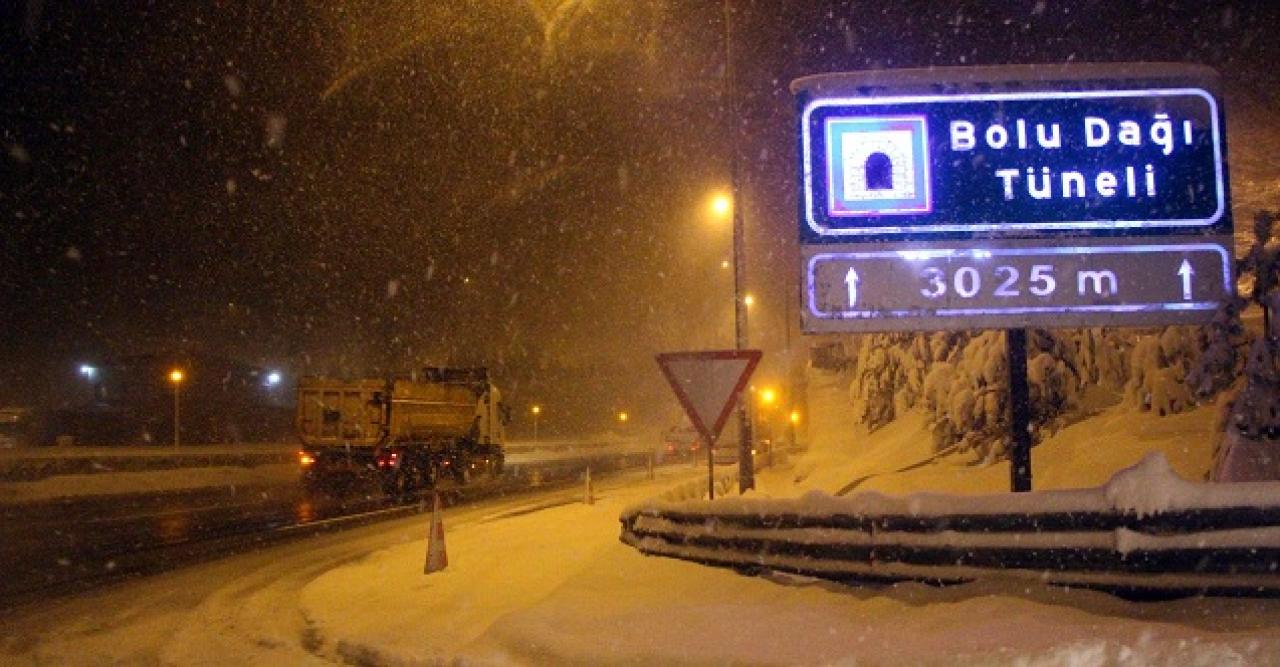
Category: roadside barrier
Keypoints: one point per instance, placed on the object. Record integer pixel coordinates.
(34, 464)
(1146, 531)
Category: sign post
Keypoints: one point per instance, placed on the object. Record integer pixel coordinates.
(708, 384)
(1019, 411)
(1043, 196)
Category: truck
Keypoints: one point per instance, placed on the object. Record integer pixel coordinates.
(442, 426)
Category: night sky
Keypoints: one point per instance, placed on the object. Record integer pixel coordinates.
(357, 188)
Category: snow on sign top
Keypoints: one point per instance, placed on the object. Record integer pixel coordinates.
(706, 383)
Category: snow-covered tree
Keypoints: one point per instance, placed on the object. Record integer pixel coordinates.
(1250, 450)
(966, 395)
(1218, 365)
(1158, 368)
(888, 376)
(1102, 357)
(1250, 447)
(1262, 263)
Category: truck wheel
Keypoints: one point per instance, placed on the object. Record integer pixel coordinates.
(314, 484)
(462, 472)
(398, 484)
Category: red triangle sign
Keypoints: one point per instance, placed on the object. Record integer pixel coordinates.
(707, 383)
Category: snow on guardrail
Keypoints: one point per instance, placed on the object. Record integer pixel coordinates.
(1146, 529)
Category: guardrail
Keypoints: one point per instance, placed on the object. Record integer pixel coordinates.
(578, 445)
(1145, 531)
(33, 464)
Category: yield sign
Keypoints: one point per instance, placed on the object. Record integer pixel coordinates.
(707, 384)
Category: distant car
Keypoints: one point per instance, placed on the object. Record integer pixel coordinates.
(726, 453)
(680, 443)
(17, 427)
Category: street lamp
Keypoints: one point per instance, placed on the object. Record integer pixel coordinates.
(273, 378)
(623, 417)
(536, 410)
(721, 205)
(175, 377)
(748, 300)
(89, 372)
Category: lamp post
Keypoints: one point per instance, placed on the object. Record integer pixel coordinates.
(175, 377)
(768, 399)
(536, 410)
(746, 467)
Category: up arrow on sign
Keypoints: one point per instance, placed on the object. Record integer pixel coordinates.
(851, 279)
(1186, 272)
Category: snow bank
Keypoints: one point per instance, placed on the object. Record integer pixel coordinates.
(554, 587)
(1147, 488)
(900, 457)
(1146, 528)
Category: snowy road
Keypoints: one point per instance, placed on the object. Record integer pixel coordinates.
(247, 603)
(72, 543)
(542, 579)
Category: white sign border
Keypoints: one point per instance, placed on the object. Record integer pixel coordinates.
(807, 164)
(933, 253)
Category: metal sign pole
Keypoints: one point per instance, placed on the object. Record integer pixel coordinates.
(1019, 411)
(177, 428)
(711, 472)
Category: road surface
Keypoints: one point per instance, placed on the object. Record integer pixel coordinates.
(71, 544)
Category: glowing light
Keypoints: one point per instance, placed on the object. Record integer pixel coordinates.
(273, 378)
(306, 459)
(749, 300)
(768, 396)
(537, 409)
(721, 205)
(794, 417)
(88, 371)
(724, 263)
(623, 417)
(176, 376)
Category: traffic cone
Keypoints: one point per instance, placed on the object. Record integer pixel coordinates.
(589, 498)
(437, 559)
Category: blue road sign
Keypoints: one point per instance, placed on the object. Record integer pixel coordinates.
(1018, 163)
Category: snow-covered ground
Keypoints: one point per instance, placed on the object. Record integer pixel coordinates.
(899, 458)
(544, 580)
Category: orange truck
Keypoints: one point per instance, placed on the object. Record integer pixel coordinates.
(444, 426)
